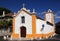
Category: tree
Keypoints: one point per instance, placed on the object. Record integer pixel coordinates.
(57, 28)
(5, 24)
(4, 9)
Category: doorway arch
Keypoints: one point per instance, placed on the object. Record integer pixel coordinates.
(23, 31)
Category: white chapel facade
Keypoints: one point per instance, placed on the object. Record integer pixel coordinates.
(28, 25)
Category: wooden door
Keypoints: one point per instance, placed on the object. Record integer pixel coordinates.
(23, 31)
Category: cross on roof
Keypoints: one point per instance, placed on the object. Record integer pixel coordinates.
(33, 10)
(23, 5)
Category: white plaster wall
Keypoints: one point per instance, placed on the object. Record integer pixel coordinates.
(27, 24)
(47, 28)
(39, 24)
(48, 17)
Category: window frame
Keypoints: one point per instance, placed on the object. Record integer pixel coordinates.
(22, 19)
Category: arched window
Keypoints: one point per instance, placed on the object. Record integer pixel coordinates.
(42, 27)
(23, 19)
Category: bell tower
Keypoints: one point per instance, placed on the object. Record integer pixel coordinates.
(49, 16)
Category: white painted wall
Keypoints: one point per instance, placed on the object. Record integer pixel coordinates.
(27, 24)
(47, 28)
(48, 17)
(39, 24)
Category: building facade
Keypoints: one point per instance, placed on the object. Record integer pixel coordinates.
(28, 25)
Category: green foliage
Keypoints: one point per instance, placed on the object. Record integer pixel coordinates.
(5, 24)
(5, 9)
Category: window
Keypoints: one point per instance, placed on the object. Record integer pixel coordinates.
(42, 27)
(23, 19)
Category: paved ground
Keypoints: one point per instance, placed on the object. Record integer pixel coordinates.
(55, 38)
(41, 40)
(52, 39)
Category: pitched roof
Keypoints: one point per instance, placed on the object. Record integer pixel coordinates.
(29, 13)
(26, 11)
(22, 10)
(39, 18)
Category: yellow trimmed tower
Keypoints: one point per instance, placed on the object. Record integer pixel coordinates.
(49, 17)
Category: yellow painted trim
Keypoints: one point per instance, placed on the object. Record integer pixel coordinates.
(48, 35)
(13, 25)
(33, 25)
(14, 36)
(32, 36)
(38, 35)
(29, 36)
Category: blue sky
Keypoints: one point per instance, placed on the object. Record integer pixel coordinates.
(39, 5)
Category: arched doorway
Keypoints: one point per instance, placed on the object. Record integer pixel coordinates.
(23, 31)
